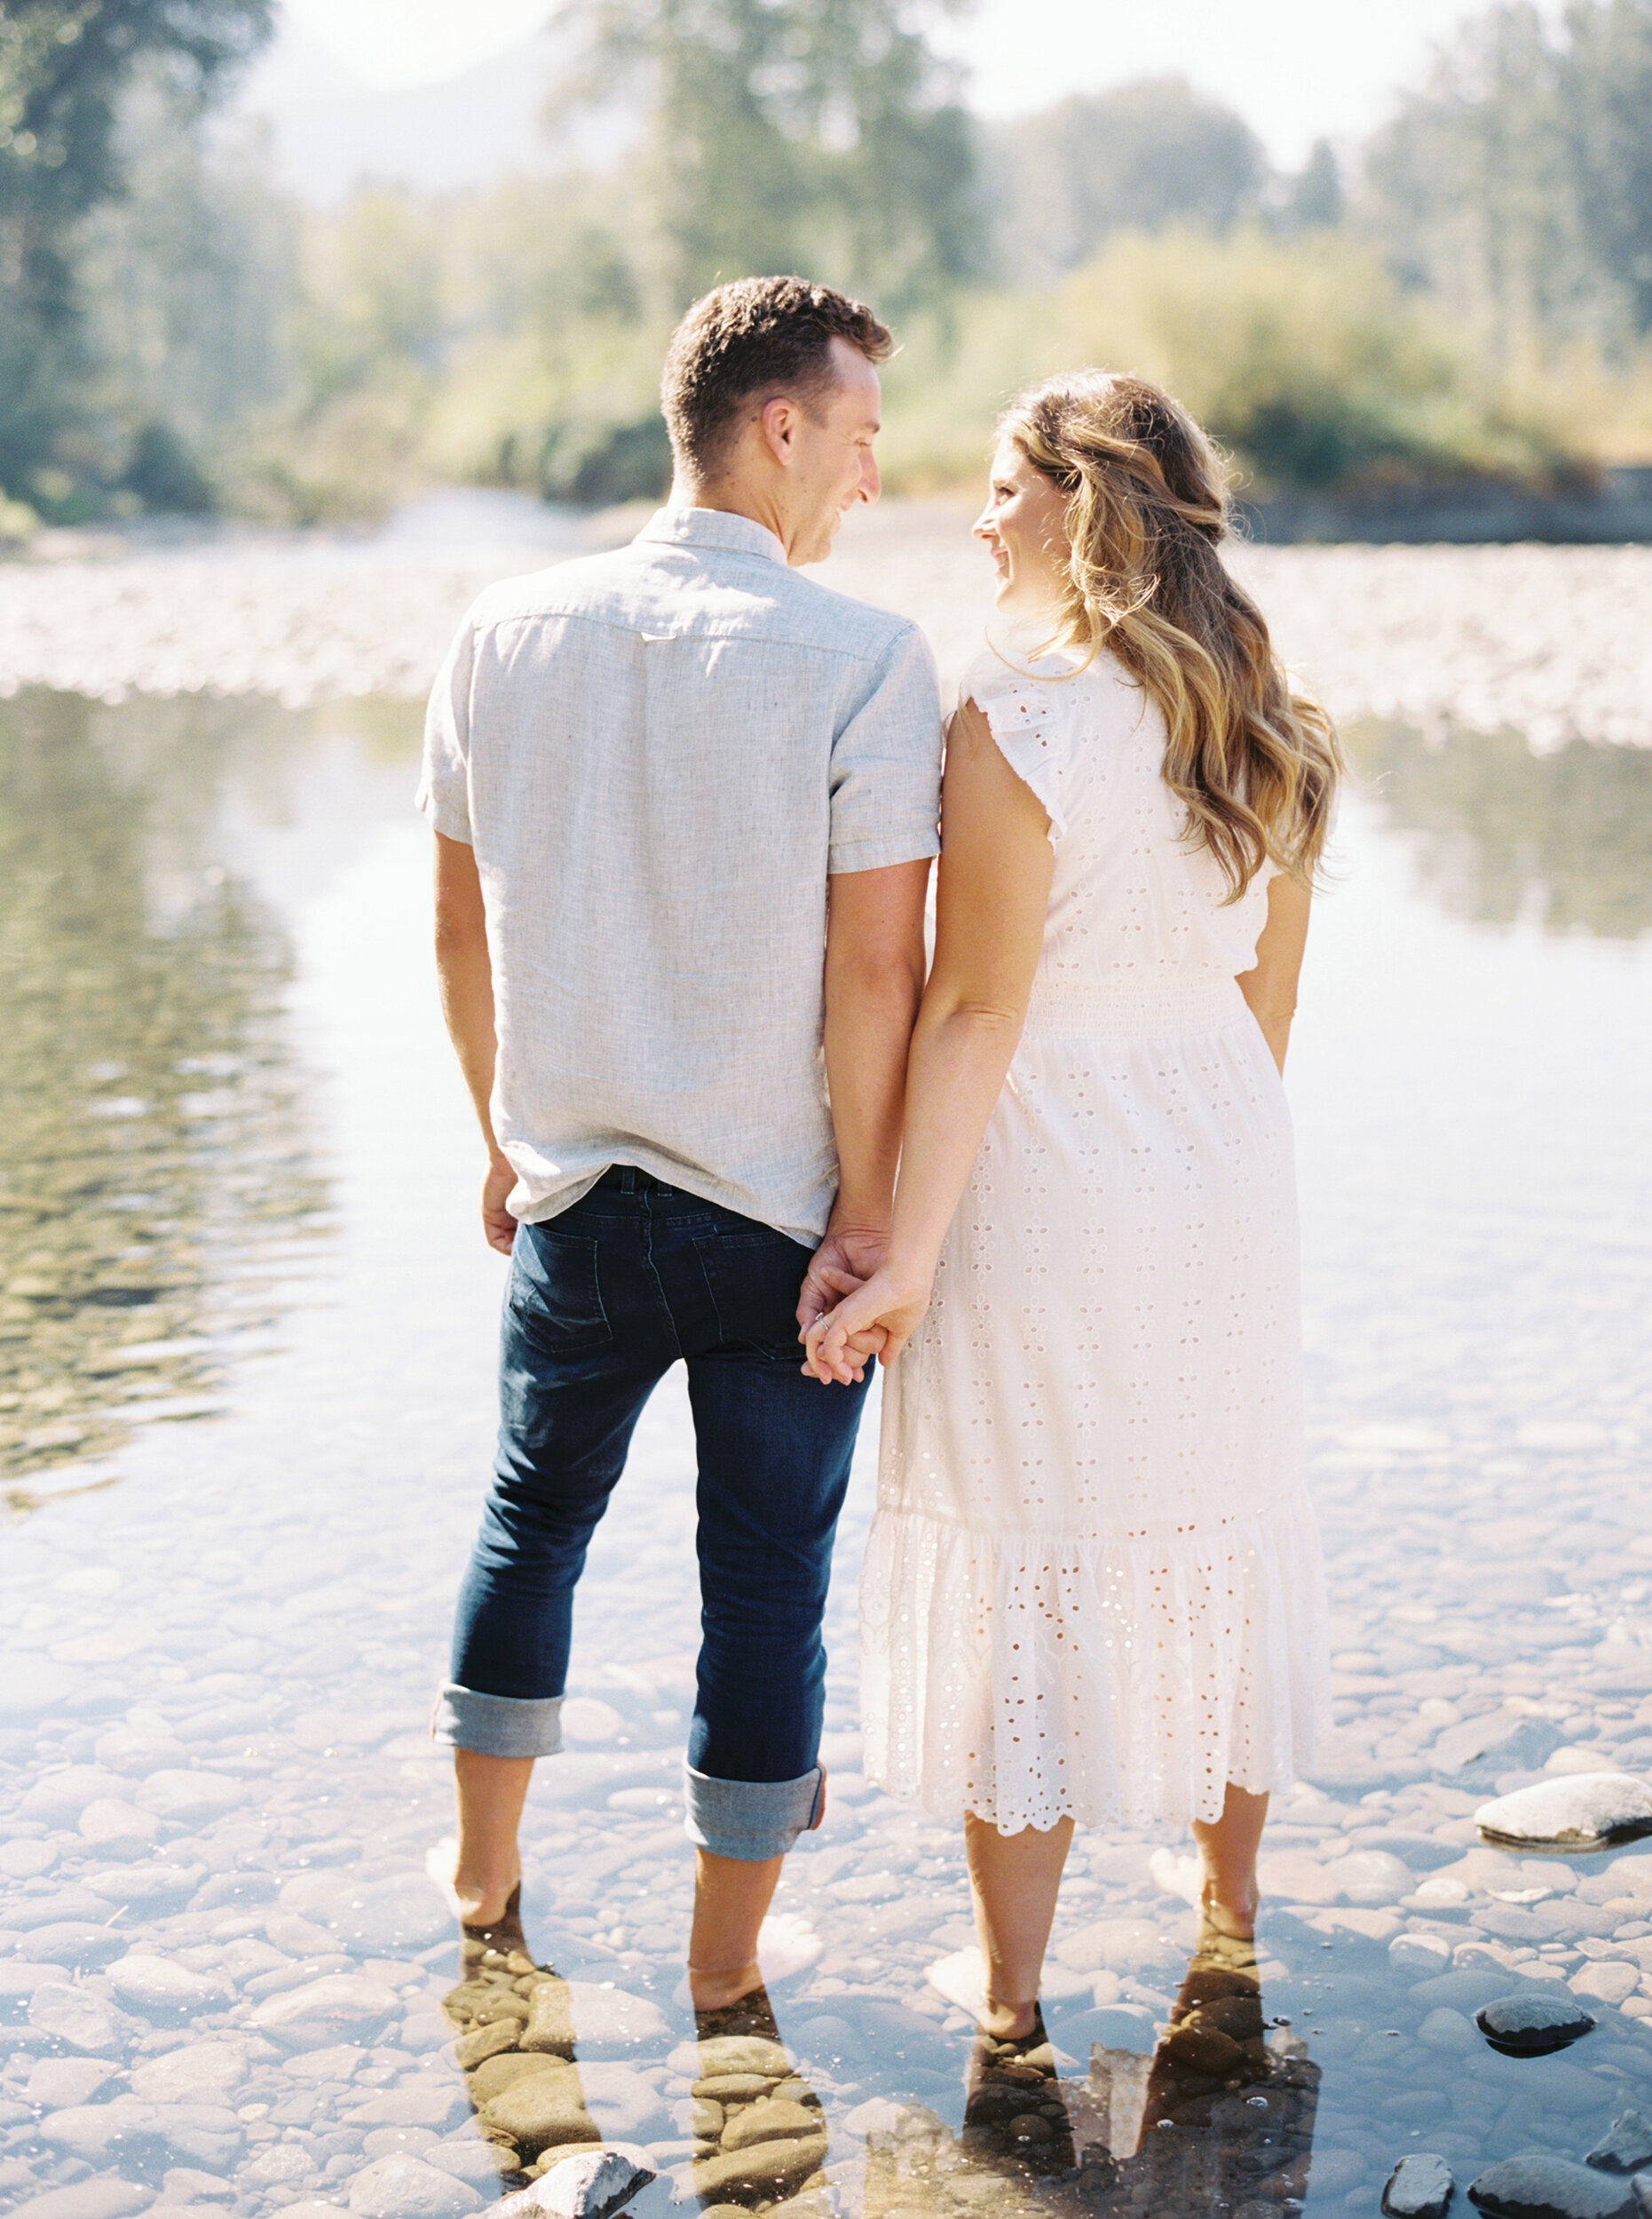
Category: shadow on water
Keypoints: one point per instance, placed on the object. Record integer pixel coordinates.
(150, 1111)
(1563, 839)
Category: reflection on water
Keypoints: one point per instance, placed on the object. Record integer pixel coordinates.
(225, 1983)
(1563, 839)
(152, 1125)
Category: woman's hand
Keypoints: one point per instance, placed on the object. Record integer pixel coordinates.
(885, 1311)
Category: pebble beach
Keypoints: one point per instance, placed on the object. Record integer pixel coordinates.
(247, 1327)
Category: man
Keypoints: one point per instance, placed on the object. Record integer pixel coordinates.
(684, 803)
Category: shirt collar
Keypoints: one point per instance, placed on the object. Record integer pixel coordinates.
(713, 527)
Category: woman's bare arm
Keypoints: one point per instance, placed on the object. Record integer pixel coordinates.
(1270, 988)
(993, 898)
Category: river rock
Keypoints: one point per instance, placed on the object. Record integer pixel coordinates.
(495, 2074)
(1625, 2146)
(627, 2105)
(108, 2134)
(119, 1829)
(765, 2169)
(407, 2188)
(730, 2053)
(1607, 1980)
(70, 2016)
(541, 2111)
(57, 2082)
(30, 1685)
(385, 1917)
(1420, 2187)
(158, 1988)
(610, 2018)
(590, 2185)
(59, 1797)
(201, 2073)
(1578, 1811)
(76, 1943)
(1549, 2188)
(1446, 2030)
(339, 2007)
(100, 2199)
(484, 2041)
(190, 1798)
(1530, 2026)
(421, 2101)
(770, 2119)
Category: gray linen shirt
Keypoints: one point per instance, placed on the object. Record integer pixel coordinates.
(659, 756)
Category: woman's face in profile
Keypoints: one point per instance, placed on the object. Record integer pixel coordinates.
(1023, 527)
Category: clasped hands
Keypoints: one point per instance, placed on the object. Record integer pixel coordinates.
(854, 1307)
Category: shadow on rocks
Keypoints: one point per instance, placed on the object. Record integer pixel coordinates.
(1219, 2120)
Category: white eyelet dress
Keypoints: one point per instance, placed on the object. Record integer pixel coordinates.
(1094, 1586)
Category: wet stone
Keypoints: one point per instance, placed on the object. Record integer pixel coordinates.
(1420, 2187)
(69, 2014)
(1625, 2146)
(407, 2188)
(768, 2121)
(1531, 2025)
(1549, 2188)
(592, 2185)
(484, 2041)
(767, 2168)
(159, 1988)
(1577, 1812)
(495, 2074)
(338, 2006)
(199, 2073)
(102, 2198)
(541, 2112)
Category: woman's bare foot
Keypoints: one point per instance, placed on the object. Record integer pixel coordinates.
(1233, 1921)
(1006, 2022)
(480, 1899)
(714, 1988)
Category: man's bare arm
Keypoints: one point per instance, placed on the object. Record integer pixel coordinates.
(465, 974)
(874, 965)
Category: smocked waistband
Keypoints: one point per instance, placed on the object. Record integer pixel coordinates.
(1130, 1008)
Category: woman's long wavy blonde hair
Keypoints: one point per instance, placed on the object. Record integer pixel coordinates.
(1255, 764)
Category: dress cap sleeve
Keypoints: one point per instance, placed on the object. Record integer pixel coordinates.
(1025, 713)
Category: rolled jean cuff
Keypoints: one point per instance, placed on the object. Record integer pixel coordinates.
(751, 1820)
(497, 1726)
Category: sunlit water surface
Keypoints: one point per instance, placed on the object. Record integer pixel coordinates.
(246, 1339)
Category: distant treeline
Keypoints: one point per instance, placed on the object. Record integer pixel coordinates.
(1466, 294)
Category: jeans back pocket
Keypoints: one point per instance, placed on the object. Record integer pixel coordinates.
(554, 1292)
(754, 1278)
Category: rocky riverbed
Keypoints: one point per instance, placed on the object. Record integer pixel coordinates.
(246, 1330)
(1553, 642)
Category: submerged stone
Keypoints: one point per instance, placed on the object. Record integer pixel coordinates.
(1420, 2187)
(1577, 1811)
(1549, 2188)
(1625, 2146)
(1531, 2025)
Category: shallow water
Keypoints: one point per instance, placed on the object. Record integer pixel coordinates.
(246, 1333)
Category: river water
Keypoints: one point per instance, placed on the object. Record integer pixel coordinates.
(246, 1339)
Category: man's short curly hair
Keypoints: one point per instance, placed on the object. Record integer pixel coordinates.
(748, 342)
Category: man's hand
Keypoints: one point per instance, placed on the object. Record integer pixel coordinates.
(497, 1222)
(846, 1259)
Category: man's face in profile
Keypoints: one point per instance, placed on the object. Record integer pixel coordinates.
(835, 466)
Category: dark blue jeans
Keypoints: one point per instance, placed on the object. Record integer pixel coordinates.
(602, 1301)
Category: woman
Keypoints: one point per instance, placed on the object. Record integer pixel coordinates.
(1094, 1590)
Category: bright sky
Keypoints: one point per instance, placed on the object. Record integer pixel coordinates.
(447, 93)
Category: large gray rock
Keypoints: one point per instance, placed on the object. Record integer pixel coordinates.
(1420, 2187)
(1576, 1812)
(59, 1797)
(190, 1798)
(398, 1913)
(78, 2020)
(1625, 2146)
(339, 2007)
(102, 2198)
(1531, 2025)
(1549, 2188)
(407, 2188)
(592, 2185)
(767, 2170)
(160, 1989)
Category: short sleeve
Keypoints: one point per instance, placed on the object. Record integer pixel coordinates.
(1024, 715)
(443, 794)
(886, 763)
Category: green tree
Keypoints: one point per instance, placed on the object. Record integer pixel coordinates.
(820, 135)
(1137, 158)
(65, 68)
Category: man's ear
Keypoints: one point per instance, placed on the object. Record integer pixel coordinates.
(777, 424)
